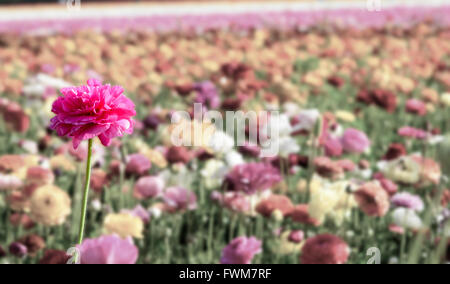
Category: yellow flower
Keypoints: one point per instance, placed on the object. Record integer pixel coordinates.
(330, 200)
(62, 162)
(345, 116)
(49, 205)
(284, 246)
(445, 99)
(124, 225)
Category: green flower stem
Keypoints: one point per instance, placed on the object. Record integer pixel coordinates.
(86, 193)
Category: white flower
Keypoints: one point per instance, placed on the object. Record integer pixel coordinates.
(307, 119)
(234, 158)
(29, 146)
(291, 109)
(213, 173)
(155, 212)
(287, 145)
(96, 205)
(406, 218)
(277, 125)
(8, 182)
(221, 143)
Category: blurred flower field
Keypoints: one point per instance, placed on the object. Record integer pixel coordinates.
(363, 160)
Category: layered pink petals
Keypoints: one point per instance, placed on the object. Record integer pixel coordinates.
(108, 250)
(94, 110)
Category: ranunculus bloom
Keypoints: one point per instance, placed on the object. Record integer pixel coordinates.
(241, 251)
(333, 147)
(52, 256)
(138, 165)
(416, 106)
(275, 202)
(94, 110)
(325, 249)
(372, 199)
(148, 187)
(139, 212)
(108, 250)
(388, 185)
(34, 243)
(18, 249)
(300, 214)
(355, 141)
(412, 132)
(395, 151)
(252, 177)
(408, 200)
(124, 224)
(15, 118)
(179, 198)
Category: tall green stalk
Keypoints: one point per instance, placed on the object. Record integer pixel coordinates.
(86, 193)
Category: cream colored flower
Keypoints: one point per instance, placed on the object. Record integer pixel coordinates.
(404, 170)
(345, 116)
(330, 199)
(284, 246)
(49, 205)
(62, 162)
(213, 173)
(124, 225)
(445, 99)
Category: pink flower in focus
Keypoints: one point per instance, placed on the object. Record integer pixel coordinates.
(179, 198)
(355, 141)
(325, 249)
(93, 110)
(148, 187)
(108, 250)
(241, 251)
(412, 132)
(416, 106)
(252, 177)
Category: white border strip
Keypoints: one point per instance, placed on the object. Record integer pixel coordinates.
(199, 9)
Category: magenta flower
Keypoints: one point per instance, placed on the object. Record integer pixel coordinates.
(241, 251)
(252, 177)
(108, 250)
(333, 147)
(179, 198)
(411, 132)
(408, 200)
(94, 110)
(355, 141)
(416, 106)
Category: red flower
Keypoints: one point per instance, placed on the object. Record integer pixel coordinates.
(300, 215)
(325, 249)
(395, 151)
(275, 202)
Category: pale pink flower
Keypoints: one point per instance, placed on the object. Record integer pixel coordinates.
(355, 141)
(416, 106)
(179, 198)
(108, 250)
(148, 187)
(411, 132)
